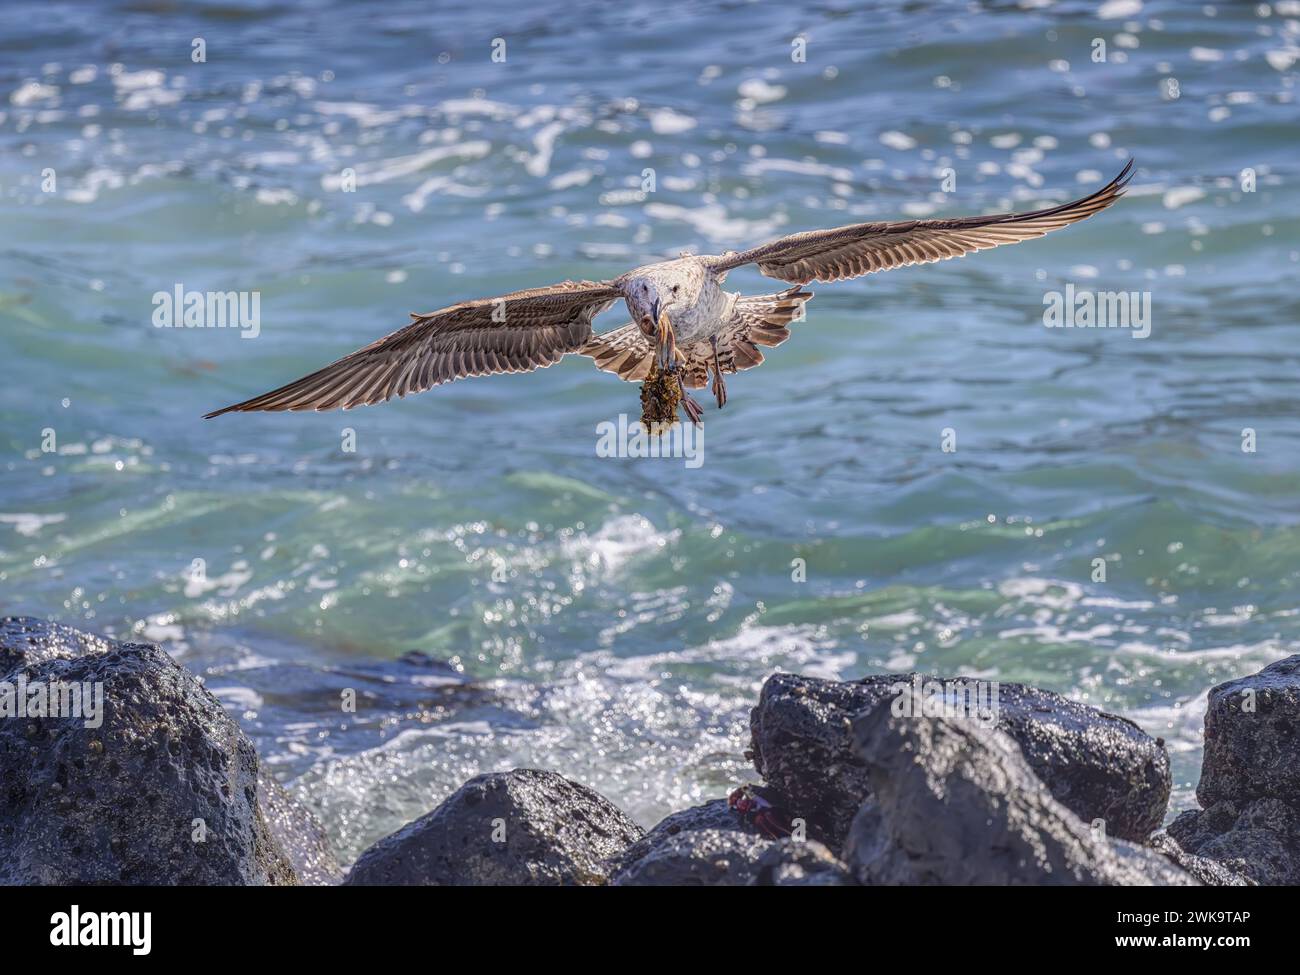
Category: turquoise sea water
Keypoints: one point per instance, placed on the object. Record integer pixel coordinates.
(613, 618)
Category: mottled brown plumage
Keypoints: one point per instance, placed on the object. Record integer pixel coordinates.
(711, 332)
(517, 332)
(863, 248)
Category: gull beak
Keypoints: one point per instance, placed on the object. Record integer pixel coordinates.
(666, 339)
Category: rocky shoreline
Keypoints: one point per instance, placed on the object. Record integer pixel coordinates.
(861, 783)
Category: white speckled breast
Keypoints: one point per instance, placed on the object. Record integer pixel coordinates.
(711, 308)
(708, 314)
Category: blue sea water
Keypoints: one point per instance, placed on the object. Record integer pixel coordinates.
(613, 618)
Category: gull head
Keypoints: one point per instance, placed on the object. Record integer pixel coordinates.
(645, 303)
(659, 291)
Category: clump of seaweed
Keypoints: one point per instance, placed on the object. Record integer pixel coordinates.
(661, 394)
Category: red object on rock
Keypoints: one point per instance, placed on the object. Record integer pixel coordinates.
(760, 813)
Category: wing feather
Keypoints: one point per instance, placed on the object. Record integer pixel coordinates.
(517, 332)
(624, 351)
(863, 248)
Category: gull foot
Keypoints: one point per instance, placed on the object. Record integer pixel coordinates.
(719, 386)
(693, 410)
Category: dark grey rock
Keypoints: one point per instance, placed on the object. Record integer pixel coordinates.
(800, 863)
(1098, 765)
(698, 858)
(298, 833)
(953, 802)
(1258, 839)
(1252, 737)
(128, 801)
(525, 827)
(1250, 779)
(715, 814)
(1209, 872)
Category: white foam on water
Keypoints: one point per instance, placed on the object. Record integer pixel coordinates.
(33, 92)
(386, 170)
(714, 222)
(897, 140)
(1117, 9)
(759, 167)
(1180, 196)
(29, 524)
(1052, 593)
(238, 698)
(618, 541)
(667, 121)
(761, 92)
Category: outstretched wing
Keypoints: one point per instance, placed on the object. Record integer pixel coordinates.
(517, 332)
(625, 351)
(847, 252)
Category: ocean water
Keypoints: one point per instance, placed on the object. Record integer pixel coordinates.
(614, 618)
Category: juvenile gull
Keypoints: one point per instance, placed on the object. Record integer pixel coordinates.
(683, 322)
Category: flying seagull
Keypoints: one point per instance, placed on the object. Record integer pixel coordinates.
(683, 323)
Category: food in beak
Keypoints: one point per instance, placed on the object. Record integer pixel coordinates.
(661, 394)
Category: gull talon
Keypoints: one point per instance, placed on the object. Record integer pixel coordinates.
(693, 410)
(719, 385)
